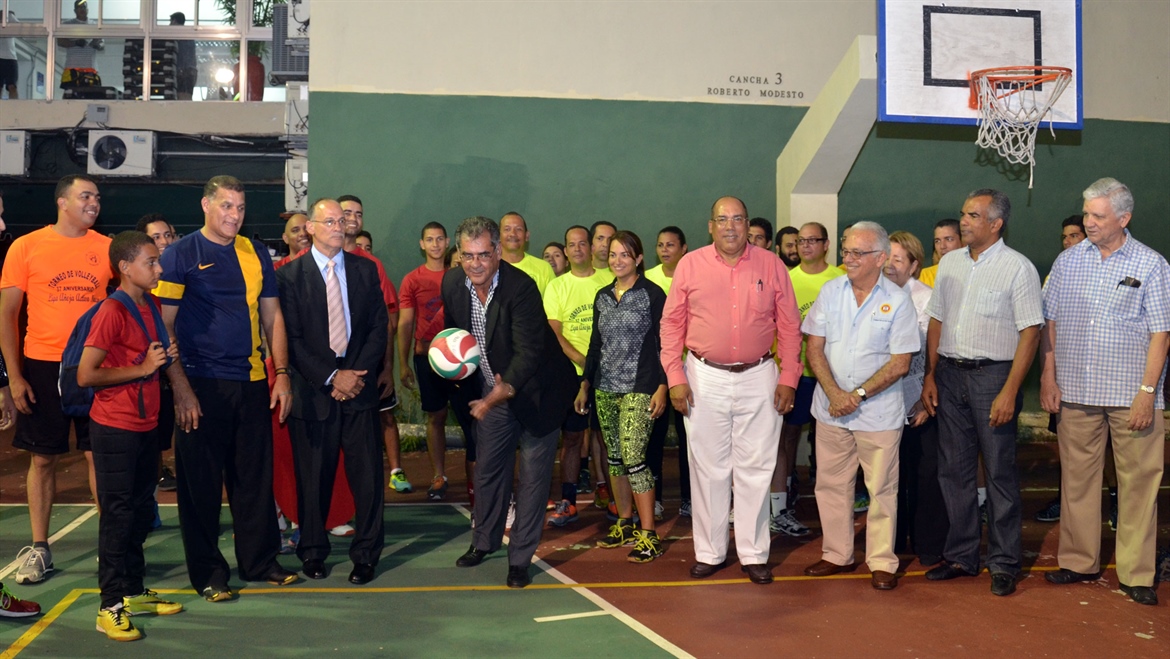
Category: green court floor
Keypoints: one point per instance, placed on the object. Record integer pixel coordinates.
(419, 605)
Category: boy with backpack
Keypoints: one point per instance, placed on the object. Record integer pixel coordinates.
(125, 349)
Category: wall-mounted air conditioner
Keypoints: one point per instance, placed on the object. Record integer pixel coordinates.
(121, 153)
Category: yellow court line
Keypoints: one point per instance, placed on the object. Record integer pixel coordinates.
(42, 624)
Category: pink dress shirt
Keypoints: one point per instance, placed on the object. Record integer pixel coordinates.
(731, 314)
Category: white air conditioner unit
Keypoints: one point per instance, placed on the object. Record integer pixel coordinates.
(296, 184)
(14, 153)
(121, 153)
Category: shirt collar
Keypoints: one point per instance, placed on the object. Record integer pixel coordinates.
(322, 260)
(990, 251)
(746, 256)
(1092, 248)
(491, 289)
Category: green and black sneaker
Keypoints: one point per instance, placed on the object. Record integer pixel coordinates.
(621, 534)
(647, 548)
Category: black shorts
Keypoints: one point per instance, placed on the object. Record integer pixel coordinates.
(802, 406)
(432, 389)
(8, 72)
(581, 422)
(166, 415)
(46, 430)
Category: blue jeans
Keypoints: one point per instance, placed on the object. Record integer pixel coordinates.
(964, 408)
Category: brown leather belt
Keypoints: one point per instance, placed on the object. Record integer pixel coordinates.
(733, 368)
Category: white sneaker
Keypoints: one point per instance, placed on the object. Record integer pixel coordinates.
(343, 531)
(785, 522)
(511, 513)
(37, 562)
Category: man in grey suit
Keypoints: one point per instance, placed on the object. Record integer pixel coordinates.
(519, 396)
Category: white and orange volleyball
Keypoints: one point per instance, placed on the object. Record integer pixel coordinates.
(454, 354)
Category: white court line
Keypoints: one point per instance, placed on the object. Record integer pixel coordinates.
(8, 569)
(602, 603)
(572, 616)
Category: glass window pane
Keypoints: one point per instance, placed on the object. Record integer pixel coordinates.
(29, 65)
(118, 12)
(89, 67)
(217, 12)
(75, 12)
(164, 9)
(262, 12)
(27, 11)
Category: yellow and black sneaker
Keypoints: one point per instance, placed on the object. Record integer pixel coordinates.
(621, 534)
(149, 602)
(647, 548)
(116, 625)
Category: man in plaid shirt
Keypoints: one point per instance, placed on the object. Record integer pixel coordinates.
(1107, 306)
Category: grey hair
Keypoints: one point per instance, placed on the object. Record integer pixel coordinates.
(1120, 198)
(474, 227)
(881, 237)
(999, 208)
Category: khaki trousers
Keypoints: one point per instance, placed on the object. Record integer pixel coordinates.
(1081, 436)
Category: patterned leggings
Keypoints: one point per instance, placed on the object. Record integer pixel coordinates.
(625, 425)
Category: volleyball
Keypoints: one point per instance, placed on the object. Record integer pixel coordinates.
(454, 354)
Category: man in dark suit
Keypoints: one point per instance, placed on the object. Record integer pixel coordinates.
(518, 397)
(336, 325)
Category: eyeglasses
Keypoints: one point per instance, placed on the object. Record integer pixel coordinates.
(468, 257)
(736, 220)
(856, 253)
(810, 241)
(333, 224)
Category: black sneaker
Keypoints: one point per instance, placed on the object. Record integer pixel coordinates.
(983, 513)
(647, 547)
(167, 483)
(585, 481)
(1051, 512)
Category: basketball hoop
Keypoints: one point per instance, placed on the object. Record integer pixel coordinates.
(1012, 101)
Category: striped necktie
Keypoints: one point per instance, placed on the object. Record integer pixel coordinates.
(337, 340)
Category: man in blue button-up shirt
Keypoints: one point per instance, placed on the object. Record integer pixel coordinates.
(862, 331)
(1112, 293)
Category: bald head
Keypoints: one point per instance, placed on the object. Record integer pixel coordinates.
(294, 233)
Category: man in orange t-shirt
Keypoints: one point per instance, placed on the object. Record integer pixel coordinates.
(63, 269)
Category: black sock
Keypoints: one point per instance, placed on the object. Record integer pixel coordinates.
(41, 545)
(569, 491)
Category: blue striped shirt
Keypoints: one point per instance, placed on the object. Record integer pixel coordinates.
(1104, 320)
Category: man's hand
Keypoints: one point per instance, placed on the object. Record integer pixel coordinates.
(347, 384)
(1003, 408)
(406, 375)
(581, 402)
(498, 394)
(658, 402)
(682, 399)
(841, 402)
(155, 358)
(385, 382)
(917, 415)
(1049, 394)
(22, 394)
(187, 410)
(783, 399)
(1141, 411)
(7, 409)
(282, 395)
(929, 397)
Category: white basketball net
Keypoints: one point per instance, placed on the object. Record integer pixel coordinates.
(1012, 105)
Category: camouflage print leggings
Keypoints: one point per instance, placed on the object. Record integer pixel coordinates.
(625, 425)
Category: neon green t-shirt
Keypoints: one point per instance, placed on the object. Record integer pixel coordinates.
(569, 300)
(806, 287)
(537, 268)
(658, 276)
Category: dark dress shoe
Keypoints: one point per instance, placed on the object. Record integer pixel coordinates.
(824, 568)
(315, 569)
(1063, 577)
(281, 577)
(518, 576)
(704, 570)
(1141, 594)
(946, 572)
(362, 573)
(929, 560)
(758, 573)
(472, 558)
(882, 580)
(1002, 584)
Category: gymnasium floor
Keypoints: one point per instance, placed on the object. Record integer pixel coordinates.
(584, 602)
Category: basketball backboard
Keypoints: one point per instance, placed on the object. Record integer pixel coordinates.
(927, 51)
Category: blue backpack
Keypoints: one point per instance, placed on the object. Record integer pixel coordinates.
(75, 399)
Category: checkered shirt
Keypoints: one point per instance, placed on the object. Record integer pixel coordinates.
(479, 327)
(1103, 325)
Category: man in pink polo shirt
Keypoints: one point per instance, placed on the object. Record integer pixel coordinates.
(727, 303)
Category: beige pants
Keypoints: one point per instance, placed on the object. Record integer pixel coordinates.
(839, 451)
(1081, 436)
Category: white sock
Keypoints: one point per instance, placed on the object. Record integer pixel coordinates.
(982, 495)
(788, 482)
(779, 502)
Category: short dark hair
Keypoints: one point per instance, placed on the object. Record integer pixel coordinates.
(599, 223)
(1077, 221)
(125, 247)
(522, 220)
(350, 197)
(553, 244)
(149, 219)
(67, 182)
(222, 181)
(682, 237)
(429, 225)
(763, 223)
(999, 208)
(365, 234)
(948, 223)
(784, 231)
(577, 226)
(474, 227)
(632, 243)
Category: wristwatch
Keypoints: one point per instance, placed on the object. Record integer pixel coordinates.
(860, 391)
(1149, 389)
